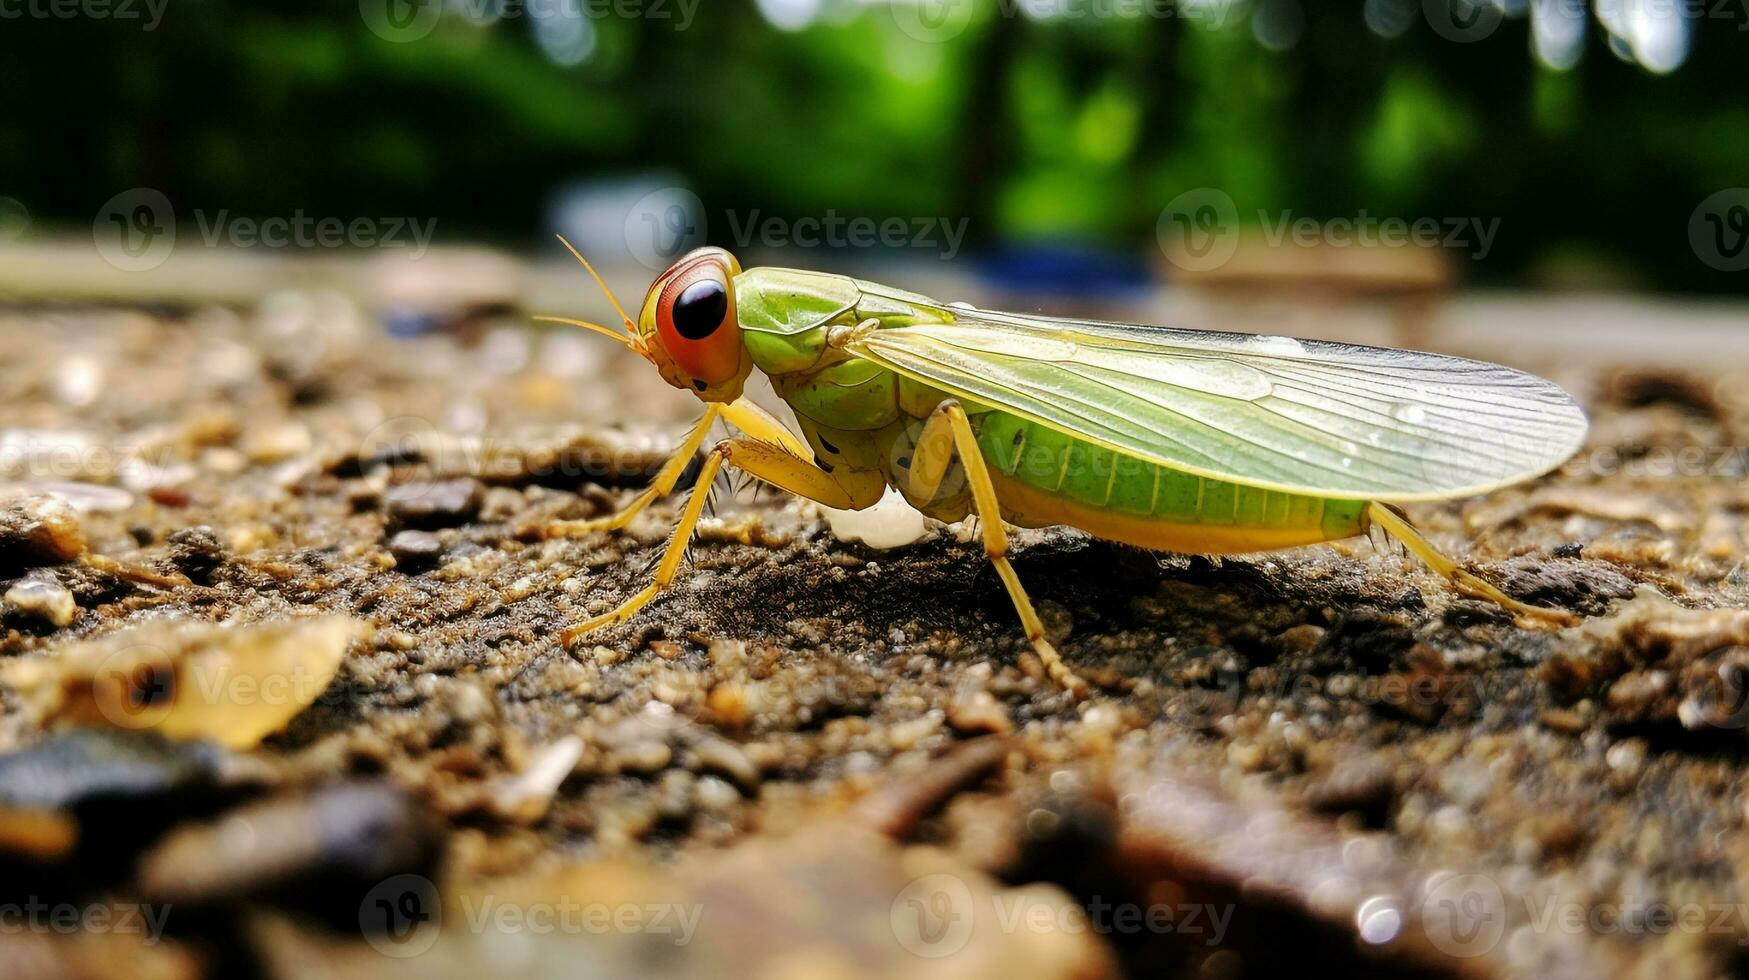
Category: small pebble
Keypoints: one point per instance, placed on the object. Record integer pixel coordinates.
(1563, 720)
(725, 758)
(713, 795)
(415, 549)
(644, 758)
(44, 598)
(672, 794)
(976, 712)
(501, 504)
(39, 530)
(276, 442)
(1626, 760)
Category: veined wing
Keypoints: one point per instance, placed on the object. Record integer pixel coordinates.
(1302, 416)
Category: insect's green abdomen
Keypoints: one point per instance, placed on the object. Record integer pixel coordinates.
(1048, 460)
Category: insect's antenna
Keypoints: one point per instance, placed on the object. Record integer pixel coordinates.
(585, 324)
(631, 325)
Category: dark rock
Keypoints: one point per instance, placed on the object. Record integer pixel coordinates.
(321, 853)
(121, 792)
(415, 549)
(85, 768)
(441, 503)
(1585, 587)
(1364, 786)
(196, 552)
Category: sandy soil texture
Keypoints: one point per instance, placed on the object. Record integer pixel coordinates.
(282, 695)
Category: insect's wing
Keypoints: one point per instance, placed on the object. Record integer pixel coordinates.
(1302, 416)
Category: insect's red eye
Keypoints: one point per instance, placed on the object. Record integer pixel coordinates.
(696, 319)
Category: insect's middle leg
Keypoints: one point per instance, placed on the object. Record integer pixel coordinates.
(948, 432)
(761, 460)
(660, 487)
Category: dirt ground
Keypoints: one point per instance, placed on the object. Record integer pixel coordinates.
(284, 697)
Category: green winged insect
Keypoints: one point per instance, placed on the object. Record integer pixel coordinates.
(1178, 440)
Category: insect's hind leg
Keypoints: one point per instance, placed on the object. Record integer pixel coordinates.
(1398, 527)
(948, 429)
(763, 461)
(666, 479)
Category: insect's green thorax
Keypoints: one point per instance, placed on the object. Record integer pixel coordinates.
(785, 314)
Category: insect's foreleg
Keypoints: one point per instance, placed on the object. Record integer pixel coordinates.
(1465, 581)
(660, 487)
(670, 558)
(948, 429)
(761, 460)
(758, 423)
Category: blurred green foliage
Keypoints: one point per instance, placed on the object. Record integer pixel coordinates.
(1075, 129)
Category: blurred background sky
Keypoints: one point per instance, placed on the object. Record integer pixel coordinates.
(1607, 142)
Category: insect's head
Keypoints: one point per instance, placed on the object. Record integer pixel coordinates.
(688, 327)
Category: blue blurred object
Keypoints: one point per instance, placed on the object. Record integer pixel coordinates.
(1066, 270)
(406, 322)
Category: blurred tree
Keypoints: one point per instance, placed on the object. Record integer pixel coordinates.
(1033, 126)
